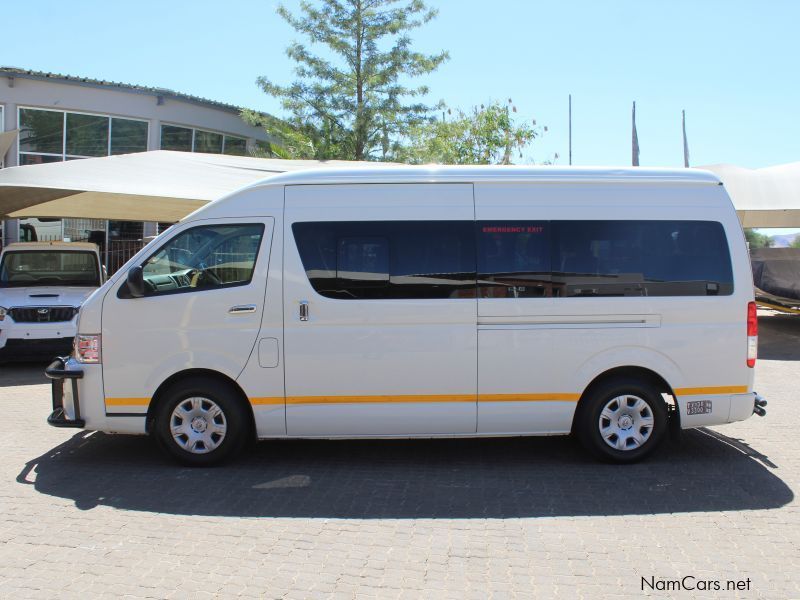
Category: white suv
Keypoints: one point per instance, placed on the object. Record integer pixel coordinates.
(42, 286)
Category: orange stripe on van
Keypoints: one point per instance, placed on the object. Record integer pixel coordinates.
(529, 397)
(267, 401)
(379, 399)
(127, 401)
(699, 391)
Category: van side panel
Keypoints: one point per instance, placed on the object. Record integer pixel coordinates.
(537, 355)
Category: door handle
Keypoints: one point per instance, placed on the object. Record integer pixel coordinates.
(304, 310)
(242, 309)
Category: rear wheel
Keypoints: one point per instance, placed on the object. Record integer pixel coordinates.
(201, 422)
(622, 420)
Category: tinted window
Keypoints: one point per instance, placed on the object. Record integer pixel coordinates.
(640, 258)
(523, 259)
(514, 259)
(397, 259)
(204, 258)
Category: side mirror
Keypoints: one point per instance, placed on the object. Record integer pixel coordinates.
(136, 282)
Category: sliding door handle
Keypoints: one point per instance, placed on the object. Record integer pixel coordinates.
(304, 310)
(242, 309)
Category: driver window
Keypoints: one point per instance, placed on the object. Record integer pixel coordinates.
(204, 258)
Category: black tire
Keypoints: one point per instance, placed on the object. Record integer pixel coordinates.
(194, 452)
(637, 439)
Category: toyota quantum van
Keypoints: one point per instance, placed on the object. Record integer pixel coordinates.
(426, 302)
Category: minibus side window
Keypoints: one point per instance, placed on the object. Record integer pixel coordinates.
(375, 260)
(514, 259)
(640, 258)
(202, 258)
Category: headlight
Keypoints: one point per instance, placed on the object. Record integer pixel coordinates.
(87, 348)
(2, 313)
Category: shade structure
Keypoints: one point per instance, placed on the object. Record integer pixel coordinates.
(768, 197)
(166, 186)
(147, 186)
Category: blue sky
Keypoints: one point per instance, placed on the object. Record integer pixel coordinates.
(730, 64)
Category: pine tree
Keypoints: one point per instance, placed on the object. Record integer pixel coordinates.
(352, 100)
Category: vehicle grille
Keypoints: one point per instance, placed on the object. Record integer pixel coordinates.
(42, 314)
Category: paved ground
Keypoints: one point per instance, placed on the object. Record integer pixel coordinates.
(95, 515)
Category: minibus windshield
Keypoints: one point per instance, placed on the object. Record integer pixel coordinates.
(49, 267)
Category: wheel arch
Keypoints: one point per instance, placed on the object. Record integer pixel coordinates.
(630, 372)
(186, 374)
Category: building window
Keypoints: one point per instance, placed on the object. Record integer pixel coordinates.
(128, 136)
(187, 139)
(176, 138)
(53, 135)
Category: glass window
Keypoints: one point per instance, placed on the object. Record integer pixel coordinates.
(41, 131)
(640, 258)
(87, 135)
(176, 138)
(235, 145)
(128, 136)
(207, 141)
(37, 159)
(388, 259)
(204, 258)
(49, 267)
(514, 259)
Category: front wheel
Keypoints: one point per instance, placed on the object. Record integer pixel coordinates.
(622, 420)
(201, 422)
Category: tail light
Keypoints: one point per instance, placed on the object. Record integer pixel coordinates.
(87, 348)
(752, 334)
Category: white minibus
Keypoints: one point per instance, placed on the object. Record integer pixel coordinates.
(380, 302)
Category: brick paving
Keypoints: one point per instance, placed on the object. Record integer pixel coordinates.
(94, 515)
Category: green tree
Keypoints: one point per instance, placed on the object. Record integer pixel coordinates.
(757, 239)
(796, 242)
(351, 102)
(484, 135)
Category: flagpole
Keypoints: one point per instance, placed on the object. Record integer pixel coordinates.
(634, 139)
(570, 129)
(685, 142)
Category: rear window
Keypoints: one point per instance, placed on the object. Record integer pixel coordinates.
(49, 267)
(603, 258)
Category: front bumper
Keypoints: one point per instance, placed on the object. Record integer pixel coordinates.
(66, 399)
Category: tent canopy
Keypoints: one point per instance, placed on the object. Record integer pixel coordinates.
(166, 186)
(768, 197)
(148, 186)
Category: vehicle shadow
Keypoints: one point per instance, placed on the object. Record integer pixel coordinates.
(404, 479)
(778, 335)
(23, 373)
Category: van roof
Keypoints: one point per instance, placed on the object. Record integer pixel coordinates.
(511, 173)
(61, 246)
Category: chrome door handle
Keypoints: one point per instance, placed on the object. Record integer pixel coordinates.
(242, 309)
(304, 310)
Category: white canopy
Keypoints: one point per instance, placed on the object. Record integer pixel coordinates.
(768, 197)
(148, 186)
(167, 186)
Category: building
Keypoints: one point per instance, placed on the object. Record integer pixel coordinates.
(61, 117)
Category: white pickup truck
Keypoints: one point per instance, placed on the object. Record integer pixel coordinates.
(42, 286)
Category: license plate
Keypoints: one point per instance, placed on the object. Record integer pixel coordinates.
(698, 407)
